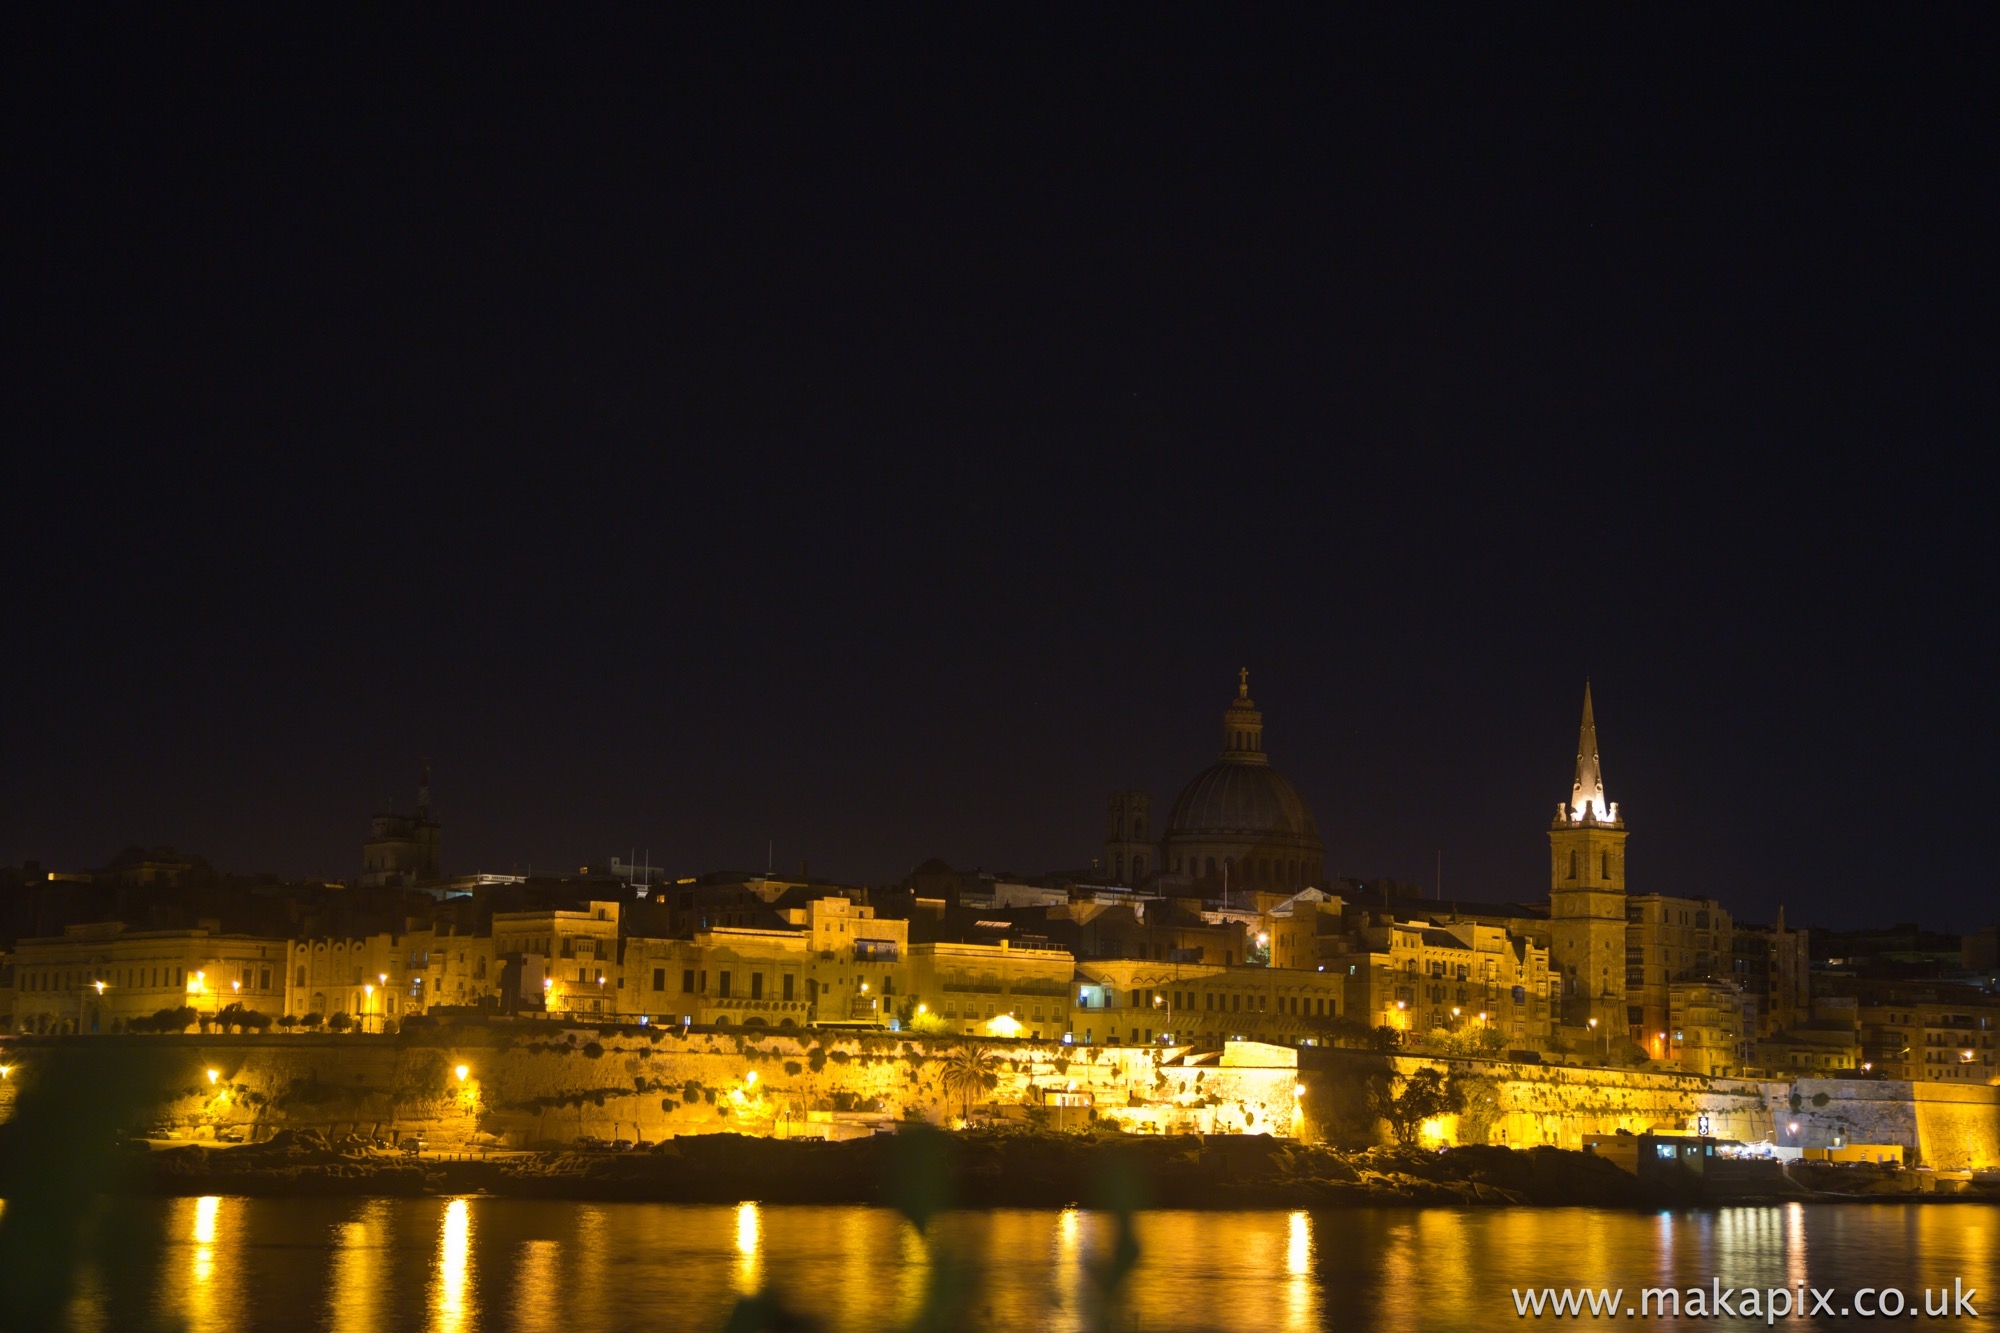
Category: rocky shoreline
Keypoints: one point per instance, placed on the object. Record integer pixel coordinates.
(927, 1171)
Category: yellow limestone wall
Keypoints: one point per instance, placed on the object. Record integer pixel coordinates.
(546, 1082)
(540, 1083)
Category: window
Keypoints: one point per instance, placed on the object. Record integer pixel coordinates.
(302, 975)
(756, 985)
(722, 984)
(659, 978)
(687, 981)
(788, 985)
(1572, 865)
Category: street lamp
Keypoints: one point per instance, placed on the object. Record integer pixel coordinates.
(1158, 1000)
(461, 1071)
(1607, 1040)
(213, 1075)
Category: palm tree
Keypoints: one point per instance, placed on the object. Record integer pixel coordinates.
(966, 1071)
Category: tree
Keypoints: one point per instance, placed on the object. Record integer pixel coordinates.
(930, 1025)
(1426, 1094)
(341, 1021)
(967, 1071)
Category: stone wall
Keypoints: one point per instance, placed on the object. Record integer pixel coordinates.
(537, 1083)
(1525, 1105)
(545, 1082)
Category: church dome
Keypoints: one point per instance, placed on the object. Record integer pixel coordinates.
(1236, 799)
(1241, 822)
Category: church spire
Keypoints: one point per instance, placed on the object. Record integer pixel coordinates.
(1587, 804)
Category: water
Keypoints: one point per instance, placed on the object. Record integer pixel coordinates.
(482, 1264)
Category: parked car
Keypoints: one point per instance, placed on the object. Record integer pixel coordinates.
(621, 1145)
(229, 1136)
(412, 1146)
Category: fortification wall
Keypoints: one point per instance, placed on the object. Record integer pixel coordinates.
(1521, 1105)
(545, 1082)
(551, 1083)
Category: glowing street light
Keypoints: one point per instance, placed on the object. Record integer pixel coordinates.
(750, 1079)
(461, 1071)
(5, 1070)
(213, 1075)
(99, 985)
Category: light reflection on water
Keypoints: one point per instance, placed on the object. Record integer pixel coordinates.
(482, 1265)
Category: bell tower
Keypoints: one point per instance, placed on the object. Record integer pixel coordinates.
(1587, 894)
(1129, 857)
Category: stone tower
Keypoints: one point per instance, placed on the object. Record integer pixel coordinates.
(1129, 857)
(1587, 895)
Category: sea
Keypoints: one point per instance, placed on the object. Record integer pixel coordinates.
(480, 1264)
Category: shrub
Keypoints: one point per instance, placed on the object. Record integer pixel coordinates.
(340, 1022)
(794, 1068)
(691, 1092)
(287, 1021)
(593, 1051)
(840, 1057)
(817, 1060)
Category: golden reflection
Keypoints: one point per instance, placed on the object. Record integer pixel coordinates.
(538, 1288)
(749, 1249)
(205, 1209)
(358, 1275)
(203, 1294)
(1301, 1299)
(1069, 1265)
(86, 1306)
(589, 1285)
(451, 1303)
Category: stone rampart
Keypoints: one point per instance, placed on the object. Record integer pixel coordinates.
(537, 1082)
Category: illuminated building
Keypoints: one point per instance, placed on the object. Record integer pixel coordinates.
(1411, 974)
(99, 977)
(385, 977)
(1670, 940)
(1587, 895)
(970, 987)
(1936, 1033)
(1136, 1002)
(560, 962)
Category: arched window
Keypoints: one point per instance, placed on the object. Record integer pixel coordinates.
(1211, 867)
(1139, 866)
(1572, 864)
(1607, 864)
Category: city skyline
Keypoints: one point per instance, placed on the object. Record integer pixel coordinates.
(785, 861)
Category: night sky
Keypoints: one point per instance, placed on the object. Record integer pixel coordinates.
(880, 436)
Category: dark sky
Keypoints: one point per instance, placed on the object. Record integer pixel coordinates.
(882, 435)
